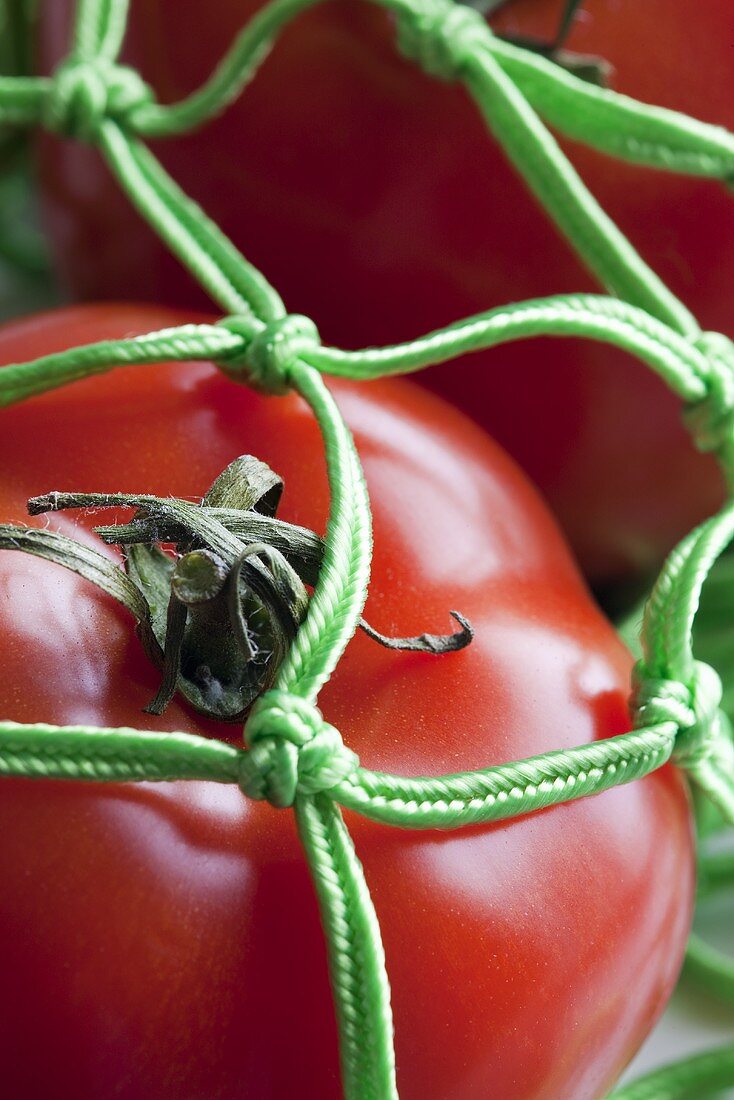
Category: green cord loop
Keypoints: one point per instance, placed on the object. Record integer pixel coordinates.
(292, 751)
(694, 710)
(692, 1079)
(711, 421)
(441, 36)
(269, 350)
(86, 92)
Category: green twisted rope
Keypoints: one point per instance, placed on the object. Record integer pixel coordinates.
(113, 755)
(341, 591)
(677, 361)
(705, 964)
(603, 119)
(356, 955)
(99, 28)
(197, 242)
(687, 1080)
(615, 124)
(293, 757)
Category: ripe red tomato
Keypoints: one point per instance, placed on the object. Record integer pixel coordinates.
(374, 200)
(165, 938)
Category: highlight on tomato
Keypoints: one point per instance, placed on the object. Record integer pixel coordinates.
(373, 198)
(163, 940)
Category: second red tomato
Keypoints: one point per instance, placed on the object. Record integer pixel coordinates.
(373, 199)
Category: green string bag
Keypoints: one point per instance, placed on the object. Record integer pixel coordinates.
(293, 757)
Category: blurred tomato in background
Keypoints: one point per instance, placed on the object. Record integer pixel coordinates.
(372, 197)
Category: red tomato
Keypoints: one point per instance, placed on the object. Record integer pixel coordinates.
(162, 941)
(375, 201)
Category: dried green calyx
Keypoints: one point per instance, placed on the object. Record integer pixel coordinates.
(218, 589)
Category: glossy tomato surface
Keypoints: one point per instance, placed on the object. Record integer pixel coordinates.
(163, 941)
(374, 200)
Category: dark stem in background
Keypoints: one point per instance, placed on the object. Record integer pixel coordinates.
(595, 70)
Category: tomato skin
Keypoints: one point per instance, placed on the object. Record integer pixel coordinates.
(160, 941)
(374, 200)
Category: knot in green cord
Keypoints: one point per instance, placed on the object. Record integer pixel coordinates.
(86, 92)
(270, 350)
(441, 36)
(711, 420)
(292, 750)
(694, 710)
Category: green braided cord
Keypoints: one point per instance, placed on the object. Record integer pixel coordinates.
(654, 641)
(715, 777)
(610, 122)
(99, 28)
(692, 1079)
(710, 968)
(715, 870)
(706, 965)
(671, 610)
(234, 72)
(672, 683)
(356, 956)
(113, 755)
(680, 364)
(508, 790)
(188, 342)
(336, 606)
(444, 802)
(614, 123)
(672, 356)
(22, 99)
(193, 238)
(595, 238)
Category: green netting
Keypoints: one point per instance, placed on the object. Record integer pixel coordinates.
(292, 756)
